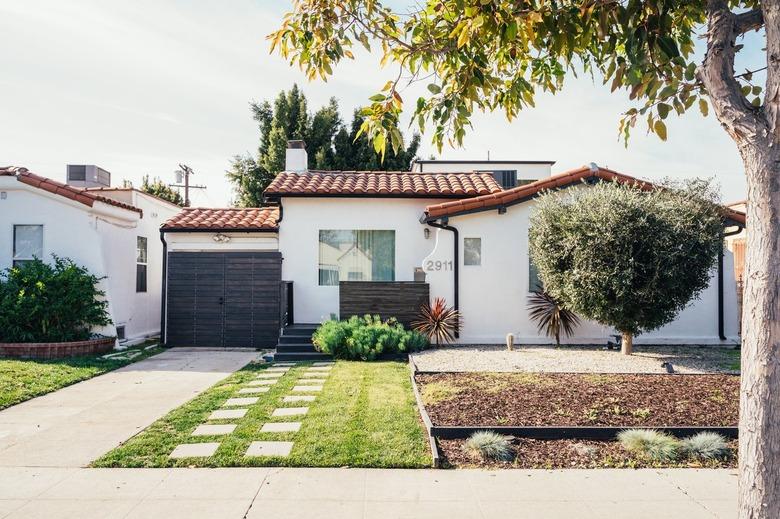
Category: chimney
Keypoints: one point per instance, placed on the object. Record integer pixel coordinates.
(296, 159)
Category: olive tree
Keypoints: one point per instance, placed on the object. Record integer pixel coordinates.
(625, 256)
(498, 54)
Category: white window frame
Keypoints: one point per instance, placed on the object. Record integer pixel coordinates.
(14, 259)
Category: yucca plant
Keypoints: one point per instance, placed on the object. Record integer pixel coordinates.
(439, 322)
(551, 316)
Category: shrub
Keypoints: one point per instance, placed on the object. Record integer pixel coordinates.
(551, 316)
(438, 322)
(706, 445)
(365, 338)
(489, 445)
(650, 444)
(41, 302)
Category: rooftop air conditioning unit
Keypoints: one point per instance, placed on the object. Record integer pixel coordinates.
(86, 175)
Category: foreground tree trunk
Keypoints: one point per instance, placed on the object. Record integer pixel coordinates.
(627, 343)
(756, 131)
(759, 427)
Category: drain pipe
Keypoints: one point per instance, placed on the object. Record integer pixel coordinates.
(455, 262)
(164, 295)
(721, 319)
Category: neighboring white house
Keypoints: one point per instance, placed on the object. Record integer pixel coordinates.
(113, 232)
(326, 227)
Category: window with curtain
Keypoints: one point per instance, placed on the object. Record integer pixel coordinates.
(351, 255)
(28, 243)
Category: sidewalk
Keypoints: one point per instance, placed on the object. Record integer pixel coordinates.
(267, 493)
(77, 424)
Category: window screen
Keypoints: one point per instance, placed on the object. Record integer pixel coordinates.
(28, 243)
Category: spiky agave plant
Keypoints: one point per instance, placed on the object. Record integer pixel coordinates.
(551, 316)
(439, 322)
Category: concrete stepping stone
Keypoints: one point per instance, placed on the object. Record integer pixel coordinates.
(213, 430)
(253, 390)
(299, 398)
(262, 382)
(227, 414)
(315, 374)
(312, 381)
(284, 364)
(312, 370)
(306, 389)
(320, 364)
(194, 450)
(277, 370)
(270, 375)
(269, 449)
(280, 427)
(290, 411)
(231, 402)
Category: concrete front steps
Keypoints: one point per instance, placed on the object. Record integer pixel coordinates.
(295, 344)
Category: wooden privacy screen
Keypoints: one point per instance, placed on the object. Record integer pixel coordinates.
(399, 299)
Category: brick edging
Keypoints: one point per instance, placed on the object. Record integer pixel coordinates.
(55, 350)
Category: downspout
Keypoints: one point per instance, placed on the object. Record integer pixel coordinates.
(455, 262)
(164, 295)
(721, 318)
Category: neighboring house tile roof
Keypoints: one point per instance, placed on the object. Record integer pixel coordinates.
(383, 184)
(229, 219)
(528, 191)
(124, 189)
(58, 188)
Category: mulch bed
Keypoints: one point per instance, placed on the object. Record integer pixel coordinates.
(568, 454)
(577, 399)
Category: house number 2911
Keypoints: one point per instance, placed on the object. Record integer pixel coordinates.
(438, 265)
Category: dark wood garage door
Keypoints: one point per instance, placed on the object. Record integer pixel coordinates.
(223, 299)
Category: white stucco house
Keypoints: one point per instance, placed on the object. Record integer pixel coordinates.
(113, 232)
(462, 226)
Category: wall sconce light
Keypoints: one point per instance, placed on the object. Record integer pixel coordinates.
(220, 238)
(427, 232)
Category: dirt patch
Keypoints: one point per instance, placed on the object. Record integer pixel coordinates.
(571, 399)
(567, 454)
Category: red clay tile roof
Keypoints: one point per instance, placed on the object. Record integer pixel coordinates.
(230, 219)
(58, 188)
(121, 189)
(527, 191)
(383, 183)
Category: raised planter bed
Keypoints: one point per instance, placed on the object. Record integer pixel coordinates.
(56, 350)
(578, 406)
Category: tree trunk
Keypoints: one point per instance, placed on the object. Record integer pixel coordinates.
(627, 343)
(759, 425)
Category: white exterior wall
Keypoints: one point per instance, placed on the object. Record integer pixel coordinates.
(493, 296)
(299, 243)
(204, 241)
(101, 238)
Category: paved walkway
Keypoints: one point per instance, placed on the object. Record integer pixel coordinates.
(75, 425)
(55, 493)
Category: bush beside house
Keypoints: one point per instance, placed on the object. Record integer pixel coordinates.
(43, 303)
(366, 338)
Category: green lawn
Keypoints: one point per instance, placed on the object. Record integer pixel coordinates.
(365, 416)
(22, 380)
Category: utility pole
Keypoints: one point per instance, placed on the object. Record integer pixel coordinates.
(184, 173)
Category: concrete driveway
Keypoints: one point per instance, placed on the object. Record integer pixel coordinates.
(77, 424)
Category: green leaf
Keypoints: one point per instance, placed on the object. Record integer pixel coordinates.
(377, 98)
(668, 46)
(660, 129)
(663, 110)
(433, 88)
(703, 106)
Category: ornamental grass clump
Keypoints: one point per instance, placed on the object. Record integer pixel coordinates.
(489, 446)
(439, 322)
(649, 444)
(706, 446)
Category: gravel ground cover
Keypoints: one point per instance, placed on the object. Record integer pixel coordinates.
(579, 359)
(567, 454)
(576, 399)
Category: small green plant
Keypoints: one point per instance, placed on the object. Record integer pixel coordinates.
(438, 322)
(642, 413)
(551, 316)
(706, 445)
(650, 444)
(365, 338)
(591, 414)
(50, 302)
(489, 446)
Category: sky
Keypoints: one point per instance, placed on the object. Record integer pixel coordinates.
(139, 87)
